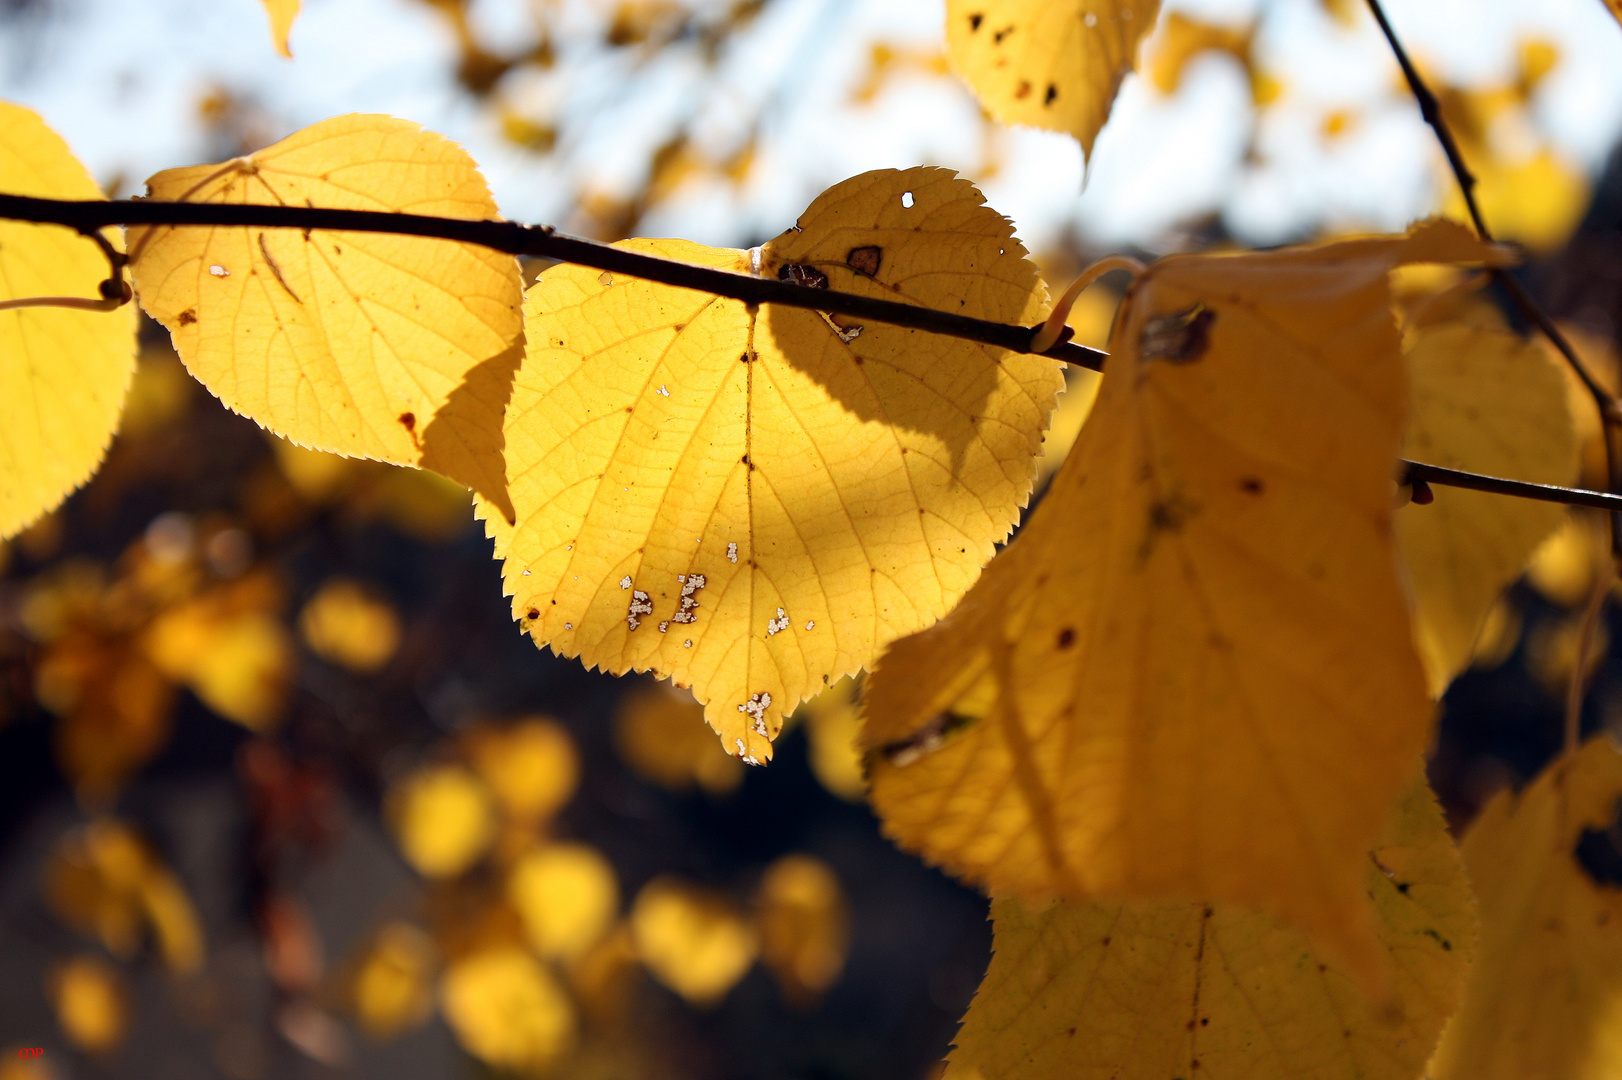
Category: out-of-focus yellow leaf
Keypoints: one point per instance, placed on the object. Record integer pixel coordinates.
(1053, 64)
(507, 1009)
(444, 818)
(567, 895)
(282, 13)
(1181, 38)
(1552, 647)
(753, 504)
(804, 928)
(350, 626)
(63, 371)
(392, 989)
(1536, 201)
(1173, 655)
(660, 733)
(228, 645)
(832, 724)
(1485, 401)
(694, 941)
(390, 347)
(91, 1005)
(531, 766)
(316, 474)
(1150, 989)
(1616, 7)
(1543, 994)
(1563, 566)
(105, 881)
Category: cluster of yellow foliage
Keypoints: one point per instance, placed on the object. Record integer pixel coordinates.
(1173, 728)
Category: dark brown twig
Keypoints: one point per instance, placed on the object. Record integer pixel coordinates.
(544, 242)
(1609, 415)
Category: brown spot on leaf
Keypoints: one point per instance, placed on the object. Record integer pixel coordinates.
(1023, 90)
(1251, 485)
(188, 317)
(1067, 638)
(801, 274)
(534, 613)
(1000, 34)
(975, 20)
(409, 422)
(1051, 96)
(1179, 338)
(865, 260)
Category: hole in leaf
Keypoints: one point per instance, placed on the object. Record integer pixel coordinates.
(906, 199)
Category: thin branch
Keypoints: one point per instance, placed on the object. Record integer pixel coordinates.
(541, 241)
(82, 303)
(1609, 415)
(1412, 471)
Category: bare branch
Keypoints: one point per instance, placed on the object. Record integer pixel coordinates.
(544, 242)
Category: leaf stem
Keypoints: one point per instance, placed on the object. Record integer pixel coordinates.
(1052, 330)
(1521, 489)
(1430, 109)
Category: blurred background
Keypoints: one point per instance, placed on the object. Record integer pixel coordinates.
(284, 792)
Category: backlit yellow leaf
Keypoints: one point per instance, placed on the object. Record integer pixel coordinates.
(230, 647)
(804, 928)
(348, 625)
(1149, 691)
(567, 895)
(1544, 997)
(1485, 401)
(389, 347)
(392, 989)
(90, 1004)
(754, 505)
(1053, 64)
(444, 819)
(694, 941)
(1150, 989)
(507, 1009)
(63, 372)
(282, 13)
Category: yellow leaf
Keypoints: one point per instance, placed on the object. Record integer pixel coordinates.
(230, 647)
(396, 348)
(1149, 989)
(350, 626)
(693, 941)
(1172, 659)
(754, 505)
(507, 1009)
(659, 731)
(63, 372)
(1616, 7)
(1053, 64)
(531, 766)
(103, 880)
(804, 928)
(1536, 201)
(567, 895)
(1182, 38)
(832, 724)
(90, 1004)
(392, 990)
(444, 819)
(282, 13)
(1485, 401)
(1543, 995)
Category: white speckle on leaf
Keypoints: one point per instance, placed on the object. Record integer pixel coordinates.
(691, 584)
(739, 743)
(810, 624)
(755, 708)
(688, 644)
(568, 626)
(526, 573)
(1089, 20)
(662, 392)
(779, 623)
(625, 582)
(732, 552)
(664, 626)
(219, 271)
(640, 605)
